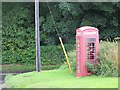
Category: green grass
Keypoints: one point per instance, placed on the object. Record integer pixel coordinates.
(59, 79)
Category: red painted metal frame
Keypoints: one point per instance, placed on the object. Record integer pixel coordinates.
(82, 34)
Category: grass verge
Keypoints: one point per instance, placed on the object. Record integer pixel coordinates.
(59, 79)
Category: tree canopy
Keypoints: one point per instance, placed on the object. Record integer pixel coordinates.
(69, 16)
(18, 20)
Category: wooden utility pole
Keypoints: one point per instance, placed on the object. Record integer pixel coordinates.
(37, 35)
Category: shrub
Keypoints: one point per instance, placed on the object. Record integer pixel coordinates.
(109, 51)
(72, 59)
(107, 60)
(50, 55)
(104, 68)
(53, 55)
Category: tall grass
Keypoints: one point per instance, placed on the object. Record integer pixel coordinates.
(109, 51)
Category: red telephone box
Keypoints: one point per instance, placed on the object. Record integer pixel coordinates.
(87, 43)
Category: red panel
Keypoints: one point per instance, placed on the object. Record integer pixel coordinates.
(87, 42)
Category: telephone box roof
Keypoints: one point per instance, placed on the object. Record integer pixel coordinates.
(87, 27)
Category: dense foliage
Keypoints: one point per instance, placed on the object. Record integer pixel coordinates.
(107, 60)
(104, 68)
(50, 55)
(18, 29)
(18, 33)
(69, 16)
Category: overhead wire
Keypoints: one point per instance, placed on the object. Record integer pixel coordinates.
(53, 20)
(56, 29)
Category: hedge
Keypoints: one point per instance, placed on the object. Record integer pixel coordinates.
(18, 33)
(50, 55)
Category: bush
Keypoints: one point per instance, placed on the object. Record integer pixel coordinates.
(104, 68)
(72, 59)
(109, 51)
(50, 55)
(107, 60)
